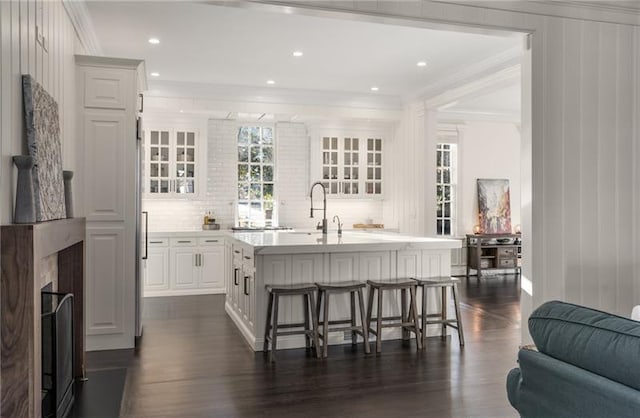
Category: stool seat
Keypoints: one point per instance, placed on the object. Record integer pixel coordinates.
(291, 289)
(392, 283)
(436, 281)
(341, 286)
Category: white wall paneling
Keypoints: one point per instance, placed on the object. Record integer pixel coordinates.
(52, 67)
(579, 148)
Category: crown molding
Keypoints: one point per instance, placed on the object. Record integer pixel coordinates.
(81, 20)
(481, 69)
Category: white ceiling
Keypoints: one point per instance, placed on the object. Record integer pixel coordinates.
(217, 45)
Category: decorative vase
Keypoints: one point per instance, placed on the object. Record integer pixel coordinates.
(68, 194)
(25, 210)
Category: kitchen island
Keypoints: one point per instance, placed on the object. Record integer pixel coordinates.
(291, 257)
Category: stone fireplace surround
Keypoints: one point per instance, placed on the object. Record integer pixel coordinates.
(28, 264)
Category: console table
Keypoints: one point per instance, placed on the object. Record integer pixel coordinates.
(493, 252)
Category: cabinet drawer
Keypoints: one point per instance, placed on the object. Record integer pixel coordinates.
(506, 252)
(183, 242)
(211, 241)
(158, 242)
(507, 263)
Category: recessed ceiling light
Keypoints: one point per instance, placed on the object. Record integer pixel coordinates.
(181, 111)
(374, 88)
(297, 53)
(155, 74)
(421, 64)
(154, 41)
(271, 82)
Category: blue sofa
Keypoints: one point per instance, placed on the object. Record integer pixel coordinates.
(586, 363)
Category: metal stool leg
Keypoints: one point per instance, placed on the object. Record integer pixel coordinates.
(365, 329)
(454, 291)
(414, 313)
(274, 328)
(267, 327)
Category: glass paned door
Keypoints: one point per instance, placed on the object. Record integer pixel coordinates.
(373, 183)
(351, 166)
(185, 167)
(330, 165)
(159, 161)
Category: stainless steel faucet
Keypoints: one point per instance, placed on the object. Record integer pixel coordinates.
(322, 225)
(339, 224)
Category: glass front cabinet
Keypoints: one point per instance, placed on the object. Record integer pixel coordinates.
(170, 163)
(352, 165)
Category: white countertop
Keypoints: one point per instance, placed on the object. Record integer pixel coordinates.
(301, 241)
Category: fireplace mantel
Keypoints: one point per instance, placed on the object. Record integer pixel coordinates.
(23, 247)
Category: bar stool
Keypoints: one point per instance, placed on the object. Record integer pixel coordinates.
(310, 331)
(443, 283)
(407, 322)
(352, 287)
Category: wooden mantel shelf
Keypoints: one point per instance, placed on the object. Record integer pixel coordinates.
(23, 247)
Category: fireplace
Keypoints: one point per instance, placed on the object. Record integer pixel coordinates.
(32, 256)
(57, 353)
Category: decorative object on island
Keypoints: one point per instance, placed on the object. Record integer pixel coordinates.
(67, 175)
(493, 252)
(43, 140)
(494, 208)
(25, 209)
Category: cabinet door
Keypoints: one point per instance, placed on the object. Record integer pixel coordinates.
(156, 270)
(212, 268)
(184, 272)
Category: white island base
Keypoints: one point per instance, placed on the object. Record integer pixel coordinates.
(284, 258)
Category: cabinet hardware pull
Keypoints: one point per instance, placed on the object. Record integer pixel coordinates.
(211, 240)
(184, 242)
(246, 289)
(236, 251)
(146, 235)
(155, 242)
(247, 257)
(201, 260)
(235, 276)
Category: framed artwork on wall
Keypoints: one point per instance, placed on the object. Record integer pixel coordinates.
(43, 140)
(494, 206)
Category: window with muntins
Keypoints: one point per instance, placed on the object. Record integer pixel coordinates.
(446, 157)
(256, 167)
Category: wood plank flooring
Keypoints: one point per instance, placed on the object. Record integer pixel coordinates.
(193, 362)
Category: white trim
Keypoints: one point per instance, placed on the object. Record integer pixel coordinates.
(81, 20)
(182, 292)
(246, 332)
(485, 69)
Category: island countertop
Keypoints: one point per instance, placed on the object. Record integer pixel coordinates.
(305, 242)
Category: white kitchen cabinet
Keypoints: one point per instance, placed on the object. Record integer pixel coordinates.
(186, 266)
(106, 107)
(172, 161)
(156, 270)
(351, 164)
(344, 266)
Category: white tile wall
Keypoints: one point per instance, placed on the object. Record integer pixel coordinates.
(292, 185)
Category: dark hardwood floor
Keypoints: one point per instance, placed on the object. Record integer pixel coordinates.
(193, 362)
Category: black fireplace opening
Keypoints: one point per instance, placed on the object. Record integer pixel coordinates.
(57, 353)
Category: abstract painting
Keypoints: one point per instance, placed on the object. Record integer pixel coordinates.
(494, 206)
(43, 140)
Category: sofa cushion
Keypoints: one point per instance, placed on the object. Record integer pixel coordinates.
(602, 343)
